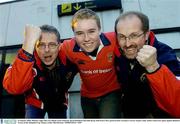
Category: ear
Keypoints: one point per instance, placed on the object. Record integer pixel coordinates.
(59, 46)
(99, 31)
(147, 35)
(37, 43)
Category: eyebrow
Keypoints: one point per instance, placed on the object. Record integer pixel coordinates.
(120, 34)
(87, 30)
(129, 35)
(48, 43)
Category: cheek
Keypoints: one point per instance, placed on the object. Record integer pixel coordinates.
(78, 40)
(120, 44)
(56, 54)
(140, 44)
(96, 37)
(39, 53)
(96, 45)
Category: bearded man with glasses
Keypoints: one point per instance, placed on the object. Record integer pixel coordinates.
(147, 70)
(41, 73)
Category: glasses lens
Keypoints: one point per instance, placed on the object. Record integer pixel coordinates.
(52, 45)
(41, 46)
(135, 36)
(121, 37)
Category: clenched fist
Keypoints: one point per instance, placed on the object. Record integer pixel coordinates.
(32, 34)
(147, 57)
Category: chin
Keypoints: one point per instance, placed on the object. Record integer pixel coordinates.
(130, 56)
(88, 50)
(48, 63)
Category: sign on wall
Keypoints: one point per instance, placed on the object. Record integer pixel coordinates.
(96, 5)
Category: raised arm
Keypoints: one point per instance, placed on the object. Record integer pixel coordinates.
(19, 76)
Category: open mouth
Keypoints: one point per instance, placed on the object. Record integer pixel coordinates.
(48, 58)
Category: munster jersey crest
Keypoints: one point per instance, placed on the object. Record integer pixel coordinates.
(110, 57)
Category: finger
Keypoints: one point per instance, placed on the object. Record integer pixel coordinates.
(142, 55)
(143, 58)
(146, 49)
(147, 46)
(139, 59)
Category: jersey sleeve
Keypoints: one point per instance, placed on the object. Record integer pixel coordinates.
(19, 76)
(70, 66)
(166, 90)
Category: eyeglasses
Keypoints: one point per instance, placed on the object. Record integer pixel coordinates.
(130, 37)
(51, 45)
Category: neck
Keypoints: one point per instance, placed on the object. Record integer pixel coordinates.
(93, 53)
(50, 67)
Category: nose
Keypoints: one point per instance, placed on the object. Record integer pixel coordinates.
(127, 43)
(46, 48)
(86, 37)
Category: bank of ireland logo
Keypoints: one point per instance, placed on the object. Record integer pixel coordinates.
(110, 57)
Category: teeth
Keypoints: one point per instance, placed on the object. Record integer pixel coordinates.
(87, 44)
(130, 49)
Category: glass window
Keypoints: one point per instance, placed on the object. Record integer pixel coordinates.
(10, 55)
(0, 57)
(177, 52)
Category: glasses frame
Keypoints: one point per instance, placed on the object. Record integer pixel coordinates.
(43, 46)
(130, 37)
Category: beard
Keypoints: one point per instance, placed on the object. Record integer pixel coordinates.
(130, 56)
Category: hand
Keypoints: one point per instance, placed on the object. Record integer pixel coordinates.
(147, 57)
(32, 35)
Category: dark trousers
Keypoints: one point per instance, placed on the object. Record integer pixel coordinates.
(34, 112)
(107, 106)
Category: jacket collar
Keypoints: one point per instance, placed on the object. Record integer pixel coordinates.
(151, 39)
(38, 61)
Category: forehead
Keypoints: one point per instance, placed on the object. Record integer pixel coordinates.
(85, 24)
(128, 23)
(48, 37)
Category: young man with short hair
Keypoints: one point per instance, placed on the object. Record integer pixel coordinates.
(93, 53)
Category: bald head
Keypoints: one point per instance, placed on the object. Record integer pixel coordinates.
(130, 23)
(128, 16)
